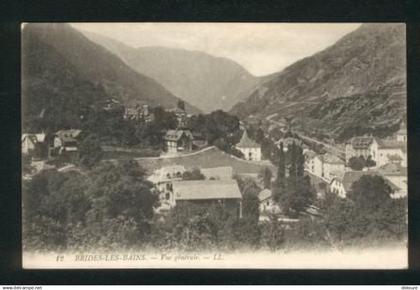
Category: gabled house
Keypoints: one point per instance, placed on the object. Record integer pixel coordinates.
(207, 192)
(34, 144)
(66, 142)
(325, 165)
(397, 175)
(249, 148)
(178, 141)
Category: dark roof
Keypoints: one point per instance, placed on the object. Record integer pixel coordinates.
(68, 135)
(206, 189)
(361, 142)
(246, 142)
(175, 135)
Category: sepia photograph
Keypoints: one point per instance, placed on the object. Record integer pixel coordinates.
(214, 145)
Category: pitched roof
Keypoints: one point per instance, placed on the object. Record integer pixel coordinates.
(309, 154)
(35, 138)
(390, 144)
(223, 172)
(206, 189)
(361, 142)
(246, 142)
(264, 194)
(175, 135)
(71, 133)
(393, 169)
(331, 159)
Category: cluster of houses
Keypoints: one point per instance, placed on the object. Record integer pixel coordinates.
(61, 143)
(217, 187)
(389, 156)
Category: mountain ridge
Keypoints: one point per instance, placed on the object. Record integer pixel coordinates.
(369, 61)
(64, 72)
(206, 81)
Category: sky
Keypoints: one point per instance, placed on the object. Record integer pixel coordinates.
(262, 48)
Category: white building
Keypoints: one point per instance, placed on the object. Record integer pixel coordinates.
(249, 148)
(326, 166)
(267, 205)
(362, 146)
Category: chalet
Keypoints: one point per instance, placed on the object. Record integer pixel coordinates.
(66, 142)
(267, 205)
(34, 144)
(249, 148)
(178, 141)
(208, 192)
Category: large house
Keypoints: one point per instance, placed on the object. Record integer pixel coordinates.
(162, 179)
(362, 146)
(326, 166)
(249, 148)
(382, 151)
(66, 142)
(208, 192)
(178, 140)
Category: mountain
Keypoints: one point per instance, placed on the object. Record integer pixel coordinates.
(356, 86)
(203, 80)
(63, 73)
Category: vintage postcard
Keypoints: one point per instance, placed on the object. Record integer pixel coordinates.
(214, 145)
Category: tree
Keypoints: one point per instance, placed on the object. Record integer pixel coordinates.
(195, 174)
(265, 175)
(181, 105)
(370, 191)
(357, 163)
(250, 207)
(370, 162)
(90, 151)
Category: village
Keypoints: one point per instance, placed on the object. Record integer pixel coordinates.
(191, 170)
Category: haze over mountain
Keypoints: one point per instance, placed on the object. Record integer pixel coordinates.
(203, 80)
(356, 86)
(63, 72)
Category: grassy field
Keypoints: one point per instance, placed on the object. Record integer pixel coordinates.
(206, 158)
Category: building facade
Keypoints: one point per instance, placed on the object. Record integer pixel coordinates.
(249, 148)
(178, 141)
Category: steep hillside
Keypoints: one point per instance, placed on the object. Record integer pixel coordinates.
(205, 81)
(63, 73)
(356, 86)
